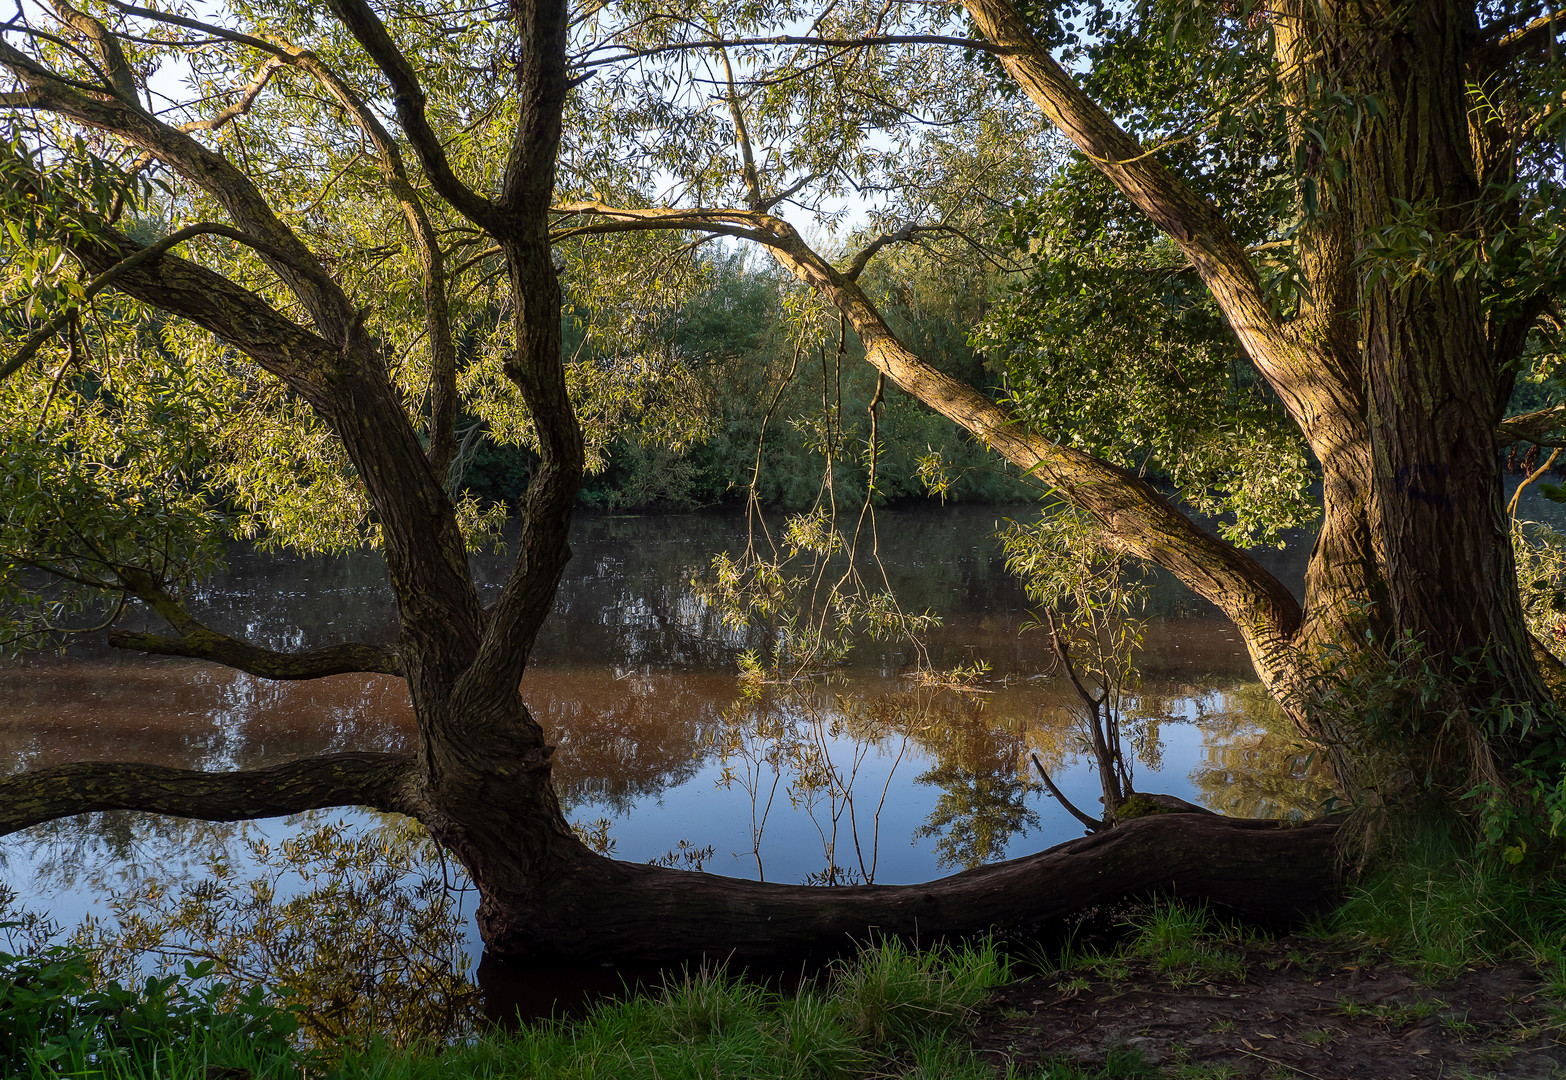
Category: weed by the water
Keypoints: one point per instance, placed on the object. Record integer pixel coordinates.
(1394, 1014)
(1439, 910)
(55, 1023)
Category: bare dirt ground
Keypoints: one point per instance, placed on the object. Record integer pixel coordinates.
(1295, 1007)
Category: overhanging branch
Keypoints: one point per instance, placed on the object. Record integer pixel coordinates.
(201, 642)
(205, 644)
(1546, 427)
(1498, 50)
(1143, 521)
(380, 781)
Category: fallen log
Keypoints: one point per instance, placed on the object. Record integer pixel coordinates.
(1270, 872)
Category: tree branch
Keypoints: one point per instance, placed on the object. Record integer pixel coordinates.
(200, 643)
(433, 278)
(1536, 427)
(870, 250)
(409, 100)
(1305, 379)
(1496, 51)
(288, 256)
(536, 366)
(116, 70)
(1141, 520)
(1092, 824)
(36, 339)
(977, 44)
(384, 782)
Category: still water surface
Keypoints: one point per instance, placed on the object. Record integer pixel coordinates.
(865, 775)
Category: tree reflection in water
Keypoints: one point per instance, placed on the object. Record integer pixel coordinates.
(1254, 764)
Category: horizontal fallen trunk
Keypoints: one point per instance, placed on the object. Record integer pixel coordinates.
(1274, 873)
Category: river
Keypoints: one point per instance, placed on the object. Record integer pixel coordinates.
(861, 775)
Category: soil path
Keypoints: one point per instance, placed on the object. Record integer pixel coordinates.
(1294, 1007)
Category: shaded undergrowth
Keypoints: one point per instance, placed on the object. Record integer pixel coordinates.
(1439, 908)
(891, 1011)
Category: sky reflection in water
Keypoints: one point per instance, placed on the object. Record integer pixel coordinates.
(862, 776)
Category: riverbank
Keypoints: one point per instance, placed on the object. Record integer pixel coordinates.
(1177, 995)
(1267, 1009)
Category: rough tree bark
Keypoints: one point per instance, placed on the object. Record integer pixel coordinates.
(1398, 388)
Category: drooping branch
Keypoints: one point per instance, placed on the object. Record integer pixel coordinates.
(1136, 514)
(425, 553)
(386, 782)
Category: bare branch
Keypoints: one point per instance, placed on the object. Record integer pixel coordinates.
(870, 250)
(386, 782)
(1092, 824)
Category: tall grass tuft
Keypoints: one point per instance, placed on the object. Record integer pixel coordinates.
(892, 992)
(1439, 910)
(892, 1011)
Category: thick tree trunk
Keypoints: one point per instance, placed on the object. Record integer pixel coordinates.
(1435, 389)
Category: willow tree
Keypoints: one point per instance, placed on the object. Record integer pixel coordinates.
(1387, 259)
(260, 308)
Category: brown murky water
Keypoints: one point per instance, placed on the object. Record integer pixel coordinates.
(861, 776)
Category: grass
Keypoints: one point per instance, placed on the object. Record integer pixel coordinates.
(1439, 911)
(891, 1011)
(1184, 943)
(1394, 1014)
(888, 1012)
